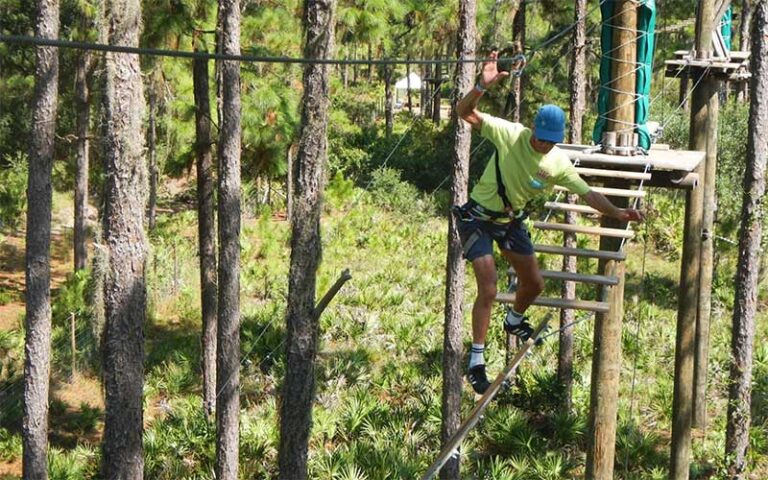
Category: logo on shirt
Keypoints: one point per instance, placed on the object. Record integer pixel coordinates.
(539, 181)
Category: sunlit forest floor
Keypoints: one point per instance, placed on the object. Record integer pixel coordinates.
(377, 412)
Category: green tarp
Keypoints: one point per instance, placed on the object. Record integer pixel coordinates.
(646, 26)
(726, 28)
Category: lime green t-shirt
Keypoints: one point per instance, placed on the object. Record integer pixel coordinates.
(527, 174)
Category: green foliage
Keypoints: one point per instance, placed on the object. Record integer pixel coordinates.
(13, 192)
(389, 192)
(77, 464)
(10, 445)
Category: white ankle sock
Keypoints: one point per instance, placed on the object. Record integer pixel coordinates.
(513, 318)
(476, 355)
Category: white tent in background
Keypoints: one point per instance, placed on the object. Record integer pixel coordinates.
(411, 82)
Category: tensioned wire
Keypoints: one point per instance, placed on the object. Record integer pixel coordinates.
(157, 52)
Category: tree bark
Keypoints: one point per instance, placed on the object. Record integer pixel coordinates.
(742, 87)
(83, 105)
(437, 95)
(455, 266)
(206, 229)
(125, 293)
(578, 84)
(37, 323)
(752, 216)
(228, 333)
(518, 38)
(152, 150)
(309, 178)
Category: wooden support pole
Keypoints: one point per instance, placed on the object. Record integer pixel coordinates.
(621, 116)
(606, 356)
(709, 206)
(606, 366)
(682, 404)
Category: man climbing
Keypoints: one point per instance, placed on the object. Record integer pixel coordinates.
(528, 164)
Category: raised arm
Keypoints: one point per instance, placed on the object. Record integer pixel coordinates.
(467, 106)
(599, 202)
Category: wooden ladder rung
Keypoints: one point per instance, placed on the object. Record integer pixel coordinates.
(597, 172)
(600, 307)
(580, 252)
(602, 231)
(575, 277)
(611, 192)
(572, 207)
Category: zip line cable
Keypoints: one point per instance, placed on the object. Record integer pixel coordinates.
(158, 52)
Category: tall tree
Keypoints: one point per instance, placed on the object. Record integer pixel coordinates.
(152, 149)
(83, 29)
(228, 333)
(578, 86)
(389, 101)
(455, 266)
(206, 228)
(742, 91)
(37, 323)
(125, 292)
(753, 214)
(308, 177)
(518, 38)
(83, 108)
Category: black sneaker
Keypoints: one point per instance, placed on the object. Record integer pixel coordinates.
(522, 330)
(478, 379)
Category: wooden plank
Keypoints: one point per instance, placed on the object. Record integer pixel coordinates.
(737, 55)
(712, 63)
(613, 192)
(580, 252)
(575, 277)
(599, 172)
(571, 207)
(682, 160)
(601, 307)
(605, 232)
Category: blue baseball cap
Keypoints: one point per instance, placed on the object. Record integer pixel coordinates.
(549, 124)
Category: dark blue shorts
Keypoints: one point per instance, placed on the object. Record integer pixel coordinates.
(477, 236)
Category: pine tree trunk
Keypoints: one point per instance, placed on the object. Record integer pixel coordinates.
(742, 87)
(408, 86)
(228, 333)
(125, 295)
(437, 95)
(83, 105)
(518, 38)
(152, 151)
(753, 214)
(206, 230)
(309, 178)
(37, 323)
(426, 99)
(455, 266)
(578, 83)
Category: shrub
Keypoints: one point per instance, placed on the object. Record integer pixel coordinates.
(13, 191)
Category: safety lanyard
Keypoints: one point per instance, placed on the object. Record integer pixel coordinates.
(500, 189)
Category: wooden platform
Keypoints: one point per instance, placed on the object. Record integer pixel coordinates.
(734, 68)
(657, 159)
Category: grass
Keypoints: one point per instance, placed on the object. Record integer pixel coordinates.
(377, 409)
